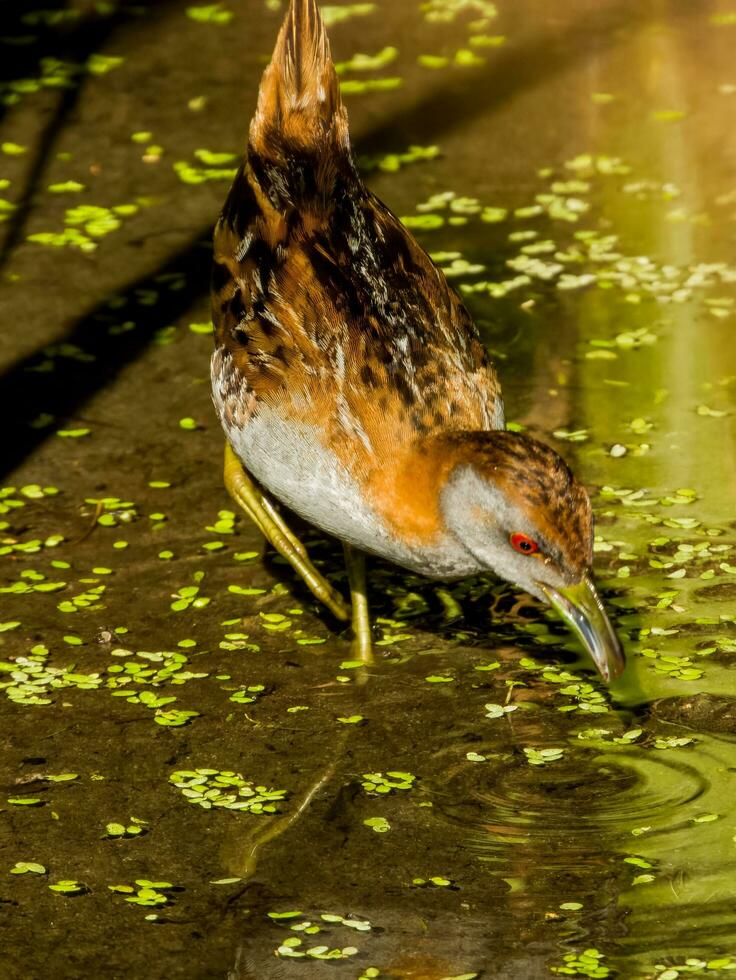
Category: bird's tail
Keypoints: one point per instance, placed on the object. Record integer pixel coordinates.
(300, 122)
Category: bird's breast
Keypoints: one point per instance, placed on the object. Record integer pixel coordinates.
(291, 462)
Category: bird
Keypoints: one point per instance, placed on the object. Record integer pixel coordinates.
(352, 385)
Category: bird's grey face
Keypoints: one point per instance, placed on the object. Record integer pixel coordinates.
(523, 516)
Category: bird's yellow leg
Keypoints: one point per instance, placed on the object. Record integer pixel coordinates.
(281, 524)
(270, 523)
(245, 863)
(362, 642)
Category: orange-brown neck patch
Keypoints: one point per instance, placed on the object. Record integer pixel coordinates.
(406, 490)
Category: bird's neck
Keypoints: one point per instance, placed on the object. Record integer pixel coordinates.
(406, 491)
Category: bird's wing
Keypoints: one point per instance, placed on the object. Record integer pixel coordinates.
(325, 307)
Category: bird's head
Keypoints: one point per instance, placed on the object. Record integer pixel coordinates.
(515, 505)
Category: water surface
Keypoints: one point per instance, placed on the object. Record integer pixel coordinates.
(582, 197)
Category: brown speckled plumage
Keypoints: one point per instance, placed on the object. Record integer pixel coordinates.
(325, 308)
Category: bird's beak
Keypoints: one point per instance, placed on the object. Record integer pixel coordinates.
(581, 608)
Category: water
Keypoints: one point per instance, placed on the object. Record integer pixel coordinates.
(621, 842)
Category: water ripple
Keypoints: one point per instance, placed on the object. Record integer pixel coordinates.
(602, 795)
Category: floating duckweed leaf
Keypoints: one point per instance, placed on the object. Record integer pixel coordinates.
(249, 694)
(174, 718)
(238, 641)
(445, 11)
(11, 625)
(190, 174)
(577, 435)
(392, 162)
(423, 222)
(493, 216)
(212, 159)
(355, 86)
(68, 888)
(543, 757)
(27, 867)
(461, 267)
(368, 62)
(203, 328)
(378, 824)
(571, 906)
(72, 433)
(642, 879)
(25, 801)
(188, 595)
(67, 187)
(187, 423)
(119, 830)
(585, 964)
(587, 697)
(487, 40)
(338, 15)
(466, 58)
(378, 783)
(437, 882)
(628, 737)
(637, 862)
(214, 13)
(36, 492)
(437, 202)
(667, 115)
(225, 523)
(100, 64)
(245, 555)
(705, 411)
(148, 894)
(211, 788)
(13, 149)
(433, 61)
(499, 710)
(84, 224)
(274, 622)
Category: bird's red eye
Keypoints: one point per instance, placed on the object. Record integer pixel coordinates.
(523, 544)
